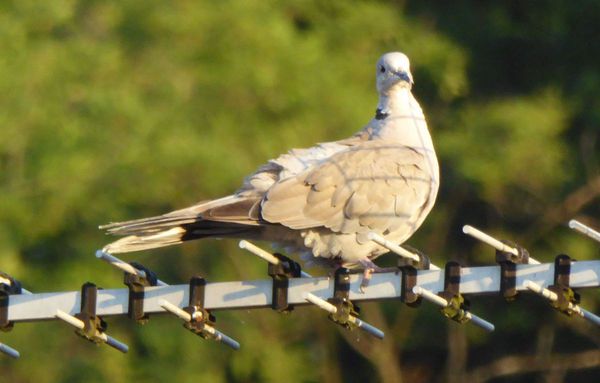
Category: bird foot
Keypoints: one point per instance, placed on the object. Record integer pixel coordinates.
(370, 268)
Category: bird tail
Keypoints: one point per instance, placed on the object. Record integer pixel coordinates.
(231, 216)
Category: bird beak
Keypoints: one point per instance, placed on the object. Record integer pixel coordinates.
(404, 76)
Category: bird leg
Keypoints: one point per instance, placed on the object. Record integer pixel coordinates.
(370, 268)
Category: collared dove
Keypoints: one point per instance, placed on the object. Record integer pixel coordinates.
(322, 201)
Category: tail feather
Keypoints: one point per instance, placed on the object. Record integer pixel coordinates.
(174, 218)
(177, 235)
(147, 225)
(145, 242)
(226, 217)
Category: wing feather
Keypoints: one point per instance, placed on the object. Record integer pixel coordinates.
(373, 186)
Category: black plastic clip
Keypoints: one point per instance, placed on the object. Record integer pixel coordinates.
(93, 324)
(200, 316)
(567, 297)
(508, 270)
(409, 268)
(457, 304)
(409, 280)
(281, 273)
(136, 285)
(341, 300)
(6, 290)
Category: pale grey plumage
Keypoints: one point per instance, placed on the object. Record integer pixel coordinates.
(323, 200)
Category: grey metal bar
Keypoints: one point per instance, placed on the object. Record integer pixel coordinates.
(258, 293)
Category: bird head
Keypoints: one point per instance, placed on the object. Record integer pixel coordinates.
(393, 70)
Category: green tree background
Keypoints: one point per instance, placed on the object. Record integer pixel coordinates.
(118, 110)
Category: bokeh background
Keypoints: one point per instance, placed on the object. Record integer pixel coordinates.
(113, 110)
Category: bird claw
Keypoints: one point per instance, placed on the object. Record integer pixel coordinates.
(367, 274)
(370, 268)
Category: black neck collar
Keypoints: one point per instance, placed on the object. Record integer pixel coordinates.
(380, 115)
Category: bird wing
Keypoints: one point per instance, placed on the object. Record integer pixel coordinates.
(242, 207)
(290, 164)
(373, 186)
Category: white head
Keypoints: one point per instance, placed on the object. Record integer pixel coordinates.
(393, 70)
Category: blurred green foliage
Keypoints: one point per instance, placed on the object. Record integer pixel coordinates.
(118, 110)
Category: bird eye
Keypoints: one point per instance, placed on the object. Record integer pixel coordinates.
(382, 69)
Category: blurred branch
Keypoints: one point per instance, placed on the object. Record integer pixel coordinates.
(403, 325)
(558, 215)
(583, 328)
(545, 344)
(456, 363)
(383, 354)
(513, 365)
(587, 147)
(330, 370)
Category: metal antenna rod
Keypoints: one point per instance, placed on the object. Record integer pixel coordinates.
(5, 349)
(585, 230)
(323, 304)
(264, 254)
(436, 299)
(126, 267)
(78, 323)
(496, 244)
(218, 335)
(551, 295)
(397, 249)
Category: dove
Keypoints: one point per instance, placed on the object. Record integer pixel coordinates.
(322, 202)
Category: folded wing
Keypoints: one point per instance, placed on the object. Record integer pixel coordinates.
(371, 187)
